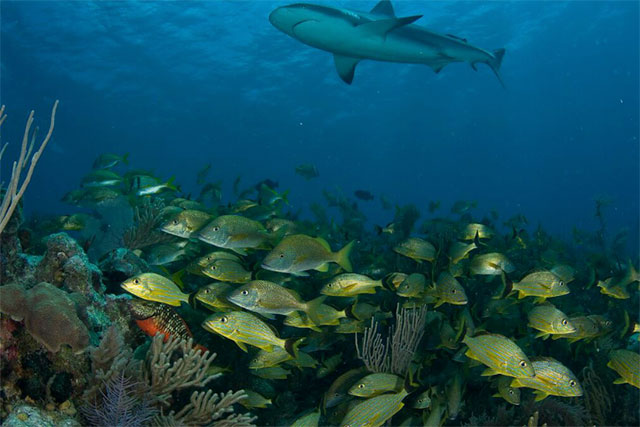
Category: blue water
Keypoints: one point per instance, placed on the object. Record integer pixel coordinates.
(181, 84)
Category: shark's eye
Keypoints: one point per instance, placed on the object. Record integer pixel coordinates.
(565, 322)
(572, 383)
(523, 363)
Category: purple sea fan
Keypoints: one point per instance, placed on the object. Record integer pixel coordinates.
(121, 405)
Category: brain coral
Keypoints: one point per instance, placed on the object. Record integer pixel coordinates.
(49, 315)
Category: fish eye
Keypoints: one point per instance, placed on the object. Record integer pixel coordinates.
(281, 255)
(564, 322)
(216, 228)
(360, 385)
(245, 292)
(175, 222)
(136, 281)
(453, 291)
(523, 363)
(224, 319)
(560, 283)
(213, 267)
(206, 291)
(510, 391)
(572, 383)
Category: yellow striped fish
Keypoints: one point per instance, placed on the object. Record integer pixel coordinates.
(412, 286)
(491, 264)
(541, 284)
(227, 270)
(549, 321)
(448, 290)
(245, 328)
(154, 287)
(499, 354)
(508, 393)
(552, 378)
(417, 249)
(214, 296)
(326, 316)
(375, 384)
(586, 328)
(459, 251)
(627, 364)
(311, 419)
(376, 411)
(350, 284)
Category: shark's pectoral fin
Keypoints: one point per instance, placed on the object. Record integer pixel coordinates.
(346, 67)
(437, 68)
(381, 27)
(384, 7)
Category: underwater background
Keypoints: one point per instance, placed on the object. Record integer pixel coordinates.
(210, 92)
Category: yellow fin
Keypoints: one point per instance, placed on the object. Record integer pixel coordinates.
(324, 243)
(342, 256)
(322, 267)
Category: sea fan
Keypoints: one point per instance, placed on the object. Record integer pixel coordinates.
(121, 405)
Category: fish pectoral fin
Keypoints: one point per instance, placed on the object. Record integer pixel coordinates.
(242, 346)
(540, 395)
(381, 27)
(620, 381)
(488, 372)
(346, 67)
(543, 335)
(322, 267)
(239, 251)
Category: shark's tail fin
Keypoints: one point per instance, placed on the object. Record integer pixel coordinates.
(495, 63)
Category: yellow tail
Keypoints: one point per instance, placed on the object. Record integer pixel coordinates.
(342, 257)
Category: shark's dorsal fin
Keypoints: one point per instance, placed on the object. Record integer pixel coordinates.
(346, 67)
(381, 27)
(384, 7)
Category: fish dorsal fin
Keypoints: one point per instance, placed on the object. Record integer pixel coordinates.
(384, 7)
(323, 243)
(381, 27)
(346, 67)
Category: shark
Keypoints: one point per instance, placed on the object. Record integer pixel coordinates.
(379, 35)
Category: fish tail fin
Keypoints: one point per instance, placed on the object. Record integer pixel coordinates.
(312, 309)
(506, 283)
(496, 62)
(285, 197)
(291, 346)
(342, 257)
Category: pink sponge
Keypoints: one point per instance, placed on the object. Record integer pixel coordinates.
(49, 315)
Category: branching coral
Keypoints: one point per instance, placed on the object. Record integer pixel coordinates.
(395, 354)
(598, 400)
(120, 405)
(15, 190)
(147, 219)
(165, 376)
(168, 367)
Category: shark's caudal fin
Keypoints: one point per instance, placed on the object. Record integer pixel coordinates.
(495, 63)
(384, 7)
